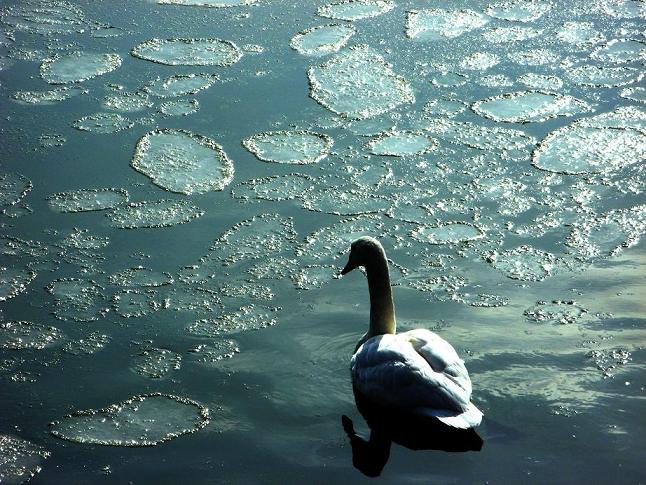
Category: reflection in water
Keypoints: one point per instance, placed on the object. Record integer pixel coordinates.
(413, 432)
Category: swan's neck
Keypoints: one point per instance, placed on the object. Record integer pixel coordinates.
(382, 309)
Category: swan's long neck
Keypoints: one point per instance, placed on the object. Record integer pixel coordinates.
(382, 309)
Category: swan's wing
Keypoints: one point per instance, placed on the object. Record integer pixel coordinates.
(470, 418)
(440, 355)
(388, 369)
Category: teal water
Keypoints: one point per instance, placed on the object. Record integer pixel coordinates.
(514, 232)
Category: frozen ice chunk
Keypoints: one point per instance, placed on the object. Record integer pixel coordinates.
(143, 420)
(437, 23)
(519, 10)
(355, 9)
(529, 106)
(27, 335)
(322, 39)
(180, 85)
(78, 67)
(358, 83)
(402, 144)
(297, 147)
(103, 123)
(188, 52)
(20, 459)
(153, 213)
(83, 200)
(448, 233)
(183, 162)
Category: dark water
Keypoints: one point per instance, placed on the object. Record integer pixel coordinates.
(553, 333)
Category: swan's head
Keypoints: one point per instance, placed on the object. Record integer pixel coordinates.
(363, 252)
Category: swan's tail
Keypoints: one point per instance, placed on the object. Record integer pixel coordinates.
(465, 420)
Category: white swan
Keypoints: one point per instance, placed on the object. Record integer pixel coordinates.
(417, 371)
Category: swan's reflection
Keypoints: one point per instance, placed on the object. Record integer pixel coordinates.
(387, 426)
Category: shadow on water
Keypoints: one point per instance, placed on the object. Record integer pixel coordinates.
(401, 427)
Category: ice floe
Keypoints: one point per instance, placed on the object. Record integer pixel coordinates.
(322, 39)
(297, 147)
(78, 67)
(188, 52)
(153, 213)
(183, 162)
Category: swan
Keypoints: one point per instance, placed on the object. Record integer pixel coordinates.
(415, 371)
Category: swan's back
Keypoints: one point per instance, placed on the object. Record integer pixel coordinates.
(417, 370)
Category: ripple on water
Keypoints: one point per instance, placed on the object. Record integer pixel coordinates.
(143, 420)
(296, 147)
(437, 23)
(351, 10)
(188, 52)
(183, 162)
(322, 39)
(358, 83)
(153, 213)
(21, 459)
(77, 67)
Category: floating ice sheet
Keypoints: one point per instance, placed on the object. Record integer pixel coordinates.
(479, 61)
(499, 35)
(449, 79)
(448, 233)
(602, 76)
(402, 144)
(154, 213)
(624, 9)
(556, 311)
(620, 51)
(529, 106)
(314, 276)
(88, 345)
(14, 281)
(209, 3)
(524, 263)
(297, 147)
(127, 102)
(77, 299)
(81, 239)
(541, 81)
(45, 17)
(436, 23)
(20, 459)
(634, 94)
(180, 85)
(157, 363)
(578, 149)
(519, 10)
(534, 57)
(13, 187)
(84, 200)
(182, 162)
(188, 52)
(143, 420)
(216, 351)
(247, 318)
(358, 83)
(444, 107)
(344, 201)
(322, 39)
(27, 335)
(133, 303)
(49, 97)
(355, 9)
(255, 238)
(275, 188)
(179, 107)
(140, 276)
(580, 33)
(103, 123)
(78, 67)
(481, 137)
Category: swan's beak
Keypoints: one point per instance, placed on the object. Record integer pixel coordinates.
(348, 267)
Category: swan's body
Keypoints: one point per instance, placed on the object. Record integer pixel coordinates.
(416, 371)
